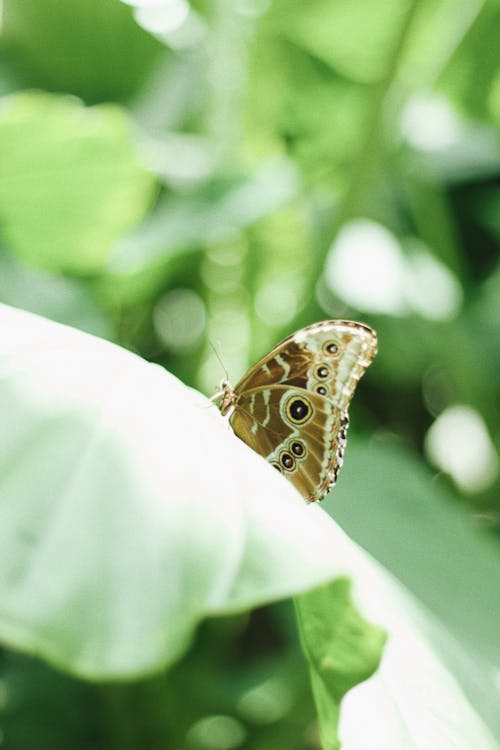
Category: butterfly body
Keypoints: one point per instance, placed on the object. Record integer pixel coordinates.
(291, 407)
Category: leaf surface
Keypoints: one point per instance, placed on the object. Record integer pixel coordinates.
(129, 510)
(341, 647)
(70, 181)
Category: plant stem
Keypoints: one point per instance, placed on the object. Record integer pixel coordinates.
(367, 158)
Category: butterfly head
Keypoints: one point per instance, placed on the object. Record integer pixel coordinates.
(225, 397)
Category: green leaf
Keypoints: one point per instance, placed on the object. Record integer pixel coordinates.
(129, 510)
(414, 700)
(142, 262)
(335, 32)
(91, 48)
(70, 181)
(55, 297)
(475, 59)
(341, 647)
(417, 531)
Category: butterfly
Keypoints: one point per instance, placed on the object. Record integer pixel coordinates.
(291, 406)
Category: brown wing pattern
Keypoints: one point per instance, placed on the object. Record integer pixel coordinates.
(301, 433)
(327, 358)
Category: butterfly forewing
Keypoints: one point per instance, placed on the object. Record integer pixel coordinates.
(328, 358)
(291, 407)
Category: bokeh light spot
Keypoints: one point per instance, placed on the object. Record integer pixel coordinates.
(179, 319)
(216, 732)
(267, 702)
(432, 289)
(252, 8)
(162, 18)
(458, 443)
(366, 269)
(429, 123)
(276, 302)
(182, 159)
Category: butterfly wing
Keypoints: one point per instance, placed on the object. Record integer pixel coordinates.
(291, 407)
(327, 358)
(302, 434)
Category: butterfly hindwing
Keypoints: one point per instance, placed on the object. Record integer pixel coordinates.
(301, 433)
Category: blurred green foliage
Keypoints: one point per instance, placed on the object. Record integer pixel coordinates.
(254, 168)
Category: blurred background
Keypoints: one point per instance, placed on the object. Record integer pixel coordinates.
(175, 175)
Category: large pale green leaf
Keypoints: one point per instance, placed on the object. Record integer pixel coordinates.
(70, 181)
(341, 647)
(414, 701)
(129, 510)
(414, 527)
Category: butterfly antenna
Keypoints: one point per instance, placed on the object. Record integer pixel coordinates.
(219, 358)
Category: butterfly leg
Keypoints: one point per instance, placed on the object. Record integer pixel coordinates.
(229, 413)
(217, 396)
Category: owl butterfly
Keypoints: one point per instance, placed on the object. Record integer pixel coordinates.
(291, 407)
